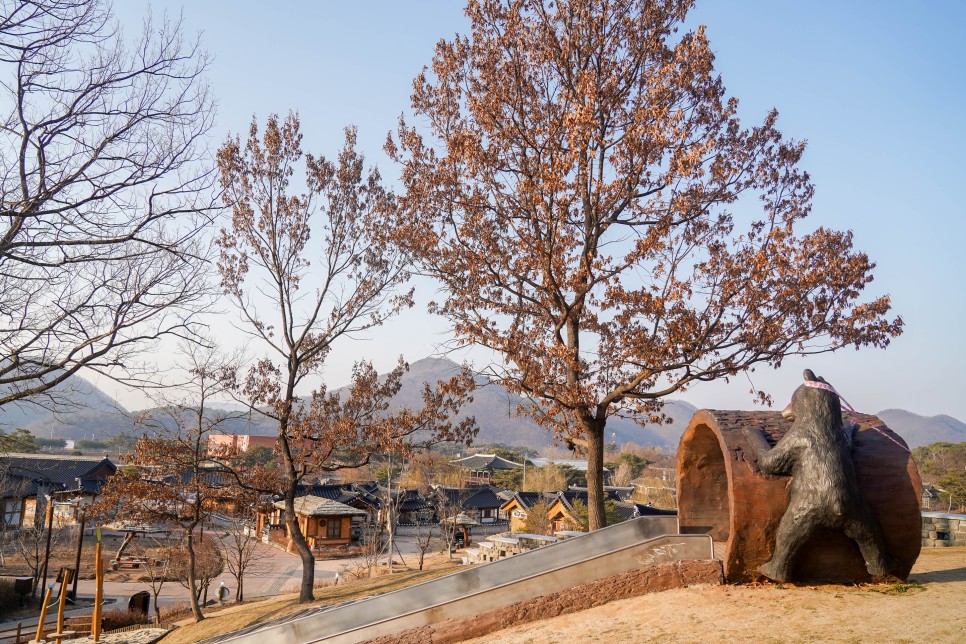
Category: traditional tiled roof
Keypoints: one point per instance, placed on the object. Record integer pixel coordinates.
(526, 500)
(483, 497)
(479, 462)
(567, 497)
(316, 506)
(61, 473)
(325, 491)
(412, 501)
(622, 493)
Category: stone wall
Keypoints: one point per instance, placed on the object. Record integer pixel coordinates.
(941, 529)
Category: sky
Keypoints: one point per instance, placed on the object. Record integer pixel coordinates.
(877, 89)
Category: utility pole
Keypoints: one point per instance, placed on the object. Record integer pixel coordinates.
(524, 486)
(50, 527)
(391, 507)
(80, 545)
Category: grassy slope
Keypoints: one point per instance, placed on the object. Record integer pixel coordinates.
(237, 617)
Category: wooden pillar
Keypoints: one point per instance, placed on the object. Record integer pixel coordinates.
(43, 615)
(65, 580)
(98, 592)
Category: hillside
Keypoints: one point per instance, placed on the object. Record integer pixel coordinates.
(922, 430)
(86, 410)
(495, 411)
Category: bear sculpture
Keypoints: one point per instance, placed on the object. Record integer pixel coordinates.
(816, 452)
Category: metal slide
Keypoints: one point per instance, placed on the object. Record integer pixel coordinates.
(611, 551)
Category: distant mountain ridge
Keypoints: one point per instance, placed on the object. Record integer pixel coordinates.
(493, 407)
(921, 430)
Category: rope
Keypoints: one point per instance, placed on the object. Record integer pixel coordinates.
(850, 410)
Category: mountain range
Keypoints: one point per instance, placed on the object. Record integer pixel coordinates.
(493, 407)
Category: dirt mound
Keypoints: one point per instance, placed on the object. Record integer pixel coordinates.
(927, 608)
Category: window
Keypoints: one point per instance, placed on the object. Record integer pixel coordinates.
(335, 529)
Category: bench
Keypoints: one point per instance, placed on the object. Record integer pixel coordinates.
(126, 563)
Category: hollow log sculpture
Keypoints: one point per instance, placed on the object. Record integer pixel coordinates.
(816, 452)
(722, 492)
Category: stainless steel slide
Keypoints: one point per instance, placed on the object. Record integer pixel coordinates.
(612, 551)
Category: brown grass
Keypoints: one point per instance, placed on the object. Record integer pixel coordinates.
(928, 608)
(240, 616)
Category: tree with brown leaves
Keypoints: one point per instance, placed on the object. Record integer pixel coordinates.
(580, 190)
(174, 479)
(297, 298)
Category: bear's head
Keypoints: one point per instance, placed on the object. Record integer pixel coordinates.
(814, 400)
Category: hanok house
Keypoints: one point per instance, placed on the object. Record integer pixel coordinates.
(481, 504)
(355, 496)
(562, 511)
(26, 480)
(478, 469)
(518, 507)
(411, 508)
(324, 522)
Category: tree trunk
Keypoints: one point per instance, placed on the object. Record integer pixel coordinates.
(307, 590)
(192, 583)
(594, 431)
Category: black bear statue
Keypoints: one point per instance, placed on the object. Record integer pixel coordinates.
(816, 452)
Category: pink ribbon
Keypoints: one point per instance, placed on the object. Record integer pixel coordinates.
(848, 408)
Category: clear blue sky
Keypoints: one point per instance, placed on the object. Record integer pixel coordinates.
(878, 89)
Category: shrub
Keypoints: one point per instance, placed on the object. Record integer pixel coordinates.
(121, 617)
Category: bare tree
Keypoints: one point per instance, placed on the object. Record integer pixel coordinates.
(102, 196)
(241, 548)
(155, 563)
(298, 298)
(30, 542)
(538, 519)
(449, 507)
(425, 536)
(372, 544)
(548, 478)
(206, 564)
(623, 475)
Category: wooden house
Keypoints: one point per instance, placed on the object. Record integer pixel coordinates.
(26, 480)
(324, 522)
(517, 508)
(479, 503)
(478, 469)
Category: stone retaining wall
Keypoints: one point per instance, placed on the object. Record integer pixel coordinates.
(940, 530)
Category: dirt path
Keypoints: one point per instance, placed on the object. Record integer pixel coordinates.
(930, 608)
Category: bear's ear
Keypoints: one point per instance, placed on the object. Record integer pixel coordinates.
(810, 375)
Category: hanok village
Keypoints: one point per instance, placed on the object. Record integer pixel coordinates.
(496, 322)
